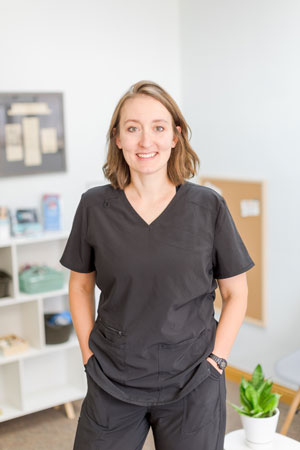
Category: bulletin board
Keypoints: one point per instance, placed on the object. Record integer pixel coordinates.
(246, 202)
(32, 139)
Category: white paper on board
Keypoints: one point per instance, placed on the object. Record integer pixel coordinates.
(49, 140)
(31, 129)
(13, 142)
(29, 109)
(250, 208)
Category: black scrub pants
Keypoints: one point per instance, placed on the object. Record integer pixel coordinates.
(195, 422)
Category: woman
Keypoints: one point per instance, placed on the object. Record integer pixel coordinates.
(155, 245)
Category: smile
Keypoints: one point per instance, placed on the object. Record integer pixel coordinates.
(146, 155)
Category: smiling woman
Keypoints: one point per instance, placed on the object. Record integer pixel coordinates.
(145, 134)
(152, 116)
(156, 245)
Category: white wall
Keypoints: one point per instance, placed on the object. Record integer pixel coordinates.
(92, 51)
(241, 96)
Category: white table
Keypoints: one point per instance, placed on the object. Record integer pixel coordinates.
(236, 441)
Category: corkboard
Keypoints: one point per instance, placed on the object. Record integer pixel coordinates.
(251, 228)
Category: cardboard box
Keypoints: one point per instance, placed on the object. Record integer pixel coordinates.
(12, 345)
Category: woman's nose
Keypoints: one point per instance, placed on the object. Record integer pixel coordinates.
(145, 139)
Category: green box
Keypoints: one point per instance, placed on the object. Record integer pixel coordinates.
(38, 279)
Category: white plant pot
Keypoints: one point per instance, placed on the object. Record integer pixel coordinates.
(260, 432)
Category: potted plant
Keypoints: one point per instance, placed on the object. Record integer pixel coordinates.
(259, 410)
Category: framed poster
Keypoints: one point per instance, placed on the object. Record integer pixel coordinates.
(32, 139)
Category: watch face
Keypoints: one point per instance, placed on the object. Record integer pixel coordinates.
(222, 364)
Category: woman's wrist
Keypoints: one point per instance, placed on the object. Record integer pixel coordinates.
(213, 363)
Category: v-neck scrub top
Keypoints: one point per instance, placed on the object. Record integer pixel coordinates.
(155, 323)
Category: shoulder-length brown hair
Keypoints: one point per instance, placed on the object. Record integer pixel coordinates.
(183, 162)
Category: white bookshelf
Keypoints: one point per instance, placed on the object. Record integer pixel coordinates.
(45, 375)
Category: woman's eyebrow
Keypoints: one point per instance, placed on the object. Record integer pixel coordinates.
(153, 121)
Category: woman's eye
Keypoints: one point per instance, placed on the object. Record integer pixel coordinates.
(132, 129)
(159, 128)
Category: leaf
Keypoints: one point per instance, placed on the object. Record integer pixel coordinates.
(256, 410)
(271, 403)
(252, 396)
(240, 410)
(261, 389)
(244, 383)
(245, 413)
(257, 376)
(266, 392)
(237, 408)
(245, 402)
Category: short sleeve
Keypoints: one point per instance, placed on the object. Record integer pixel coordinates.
(230, 256)
(78, 254)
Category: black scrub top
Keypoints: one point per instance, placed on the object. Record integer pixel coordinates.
(155, 322)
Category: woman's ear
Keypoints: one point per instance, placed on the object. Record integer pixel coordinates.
(117, 139)
(175, 139)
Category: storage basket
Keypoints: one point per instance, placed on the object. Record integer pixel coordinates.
(4, 284)
(56, 334)
(38, 279)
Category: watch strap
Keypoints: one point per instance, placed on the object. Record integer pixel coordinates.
(221, 362)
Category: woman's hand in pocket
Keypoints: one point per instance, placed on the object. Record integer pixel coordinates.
(213, 363)
(86, 357)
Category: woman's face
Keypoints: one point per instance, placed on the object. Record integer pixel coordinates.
(146, 134)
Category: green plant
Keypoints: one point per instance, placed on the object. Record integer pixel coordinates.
(256, 397)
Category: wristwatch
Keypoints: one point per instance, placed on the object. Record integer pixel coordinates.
(221, 362)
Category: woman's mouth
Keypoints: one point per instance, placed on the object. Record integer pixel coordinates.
(146, 155)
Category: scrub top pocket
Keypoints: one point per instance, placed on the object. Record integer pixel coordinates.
(176, 358)
(110, 350)
(113, 334)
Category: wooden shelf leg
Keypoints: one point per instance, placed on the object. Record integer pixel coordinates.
(69, 410)
(291, 413)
